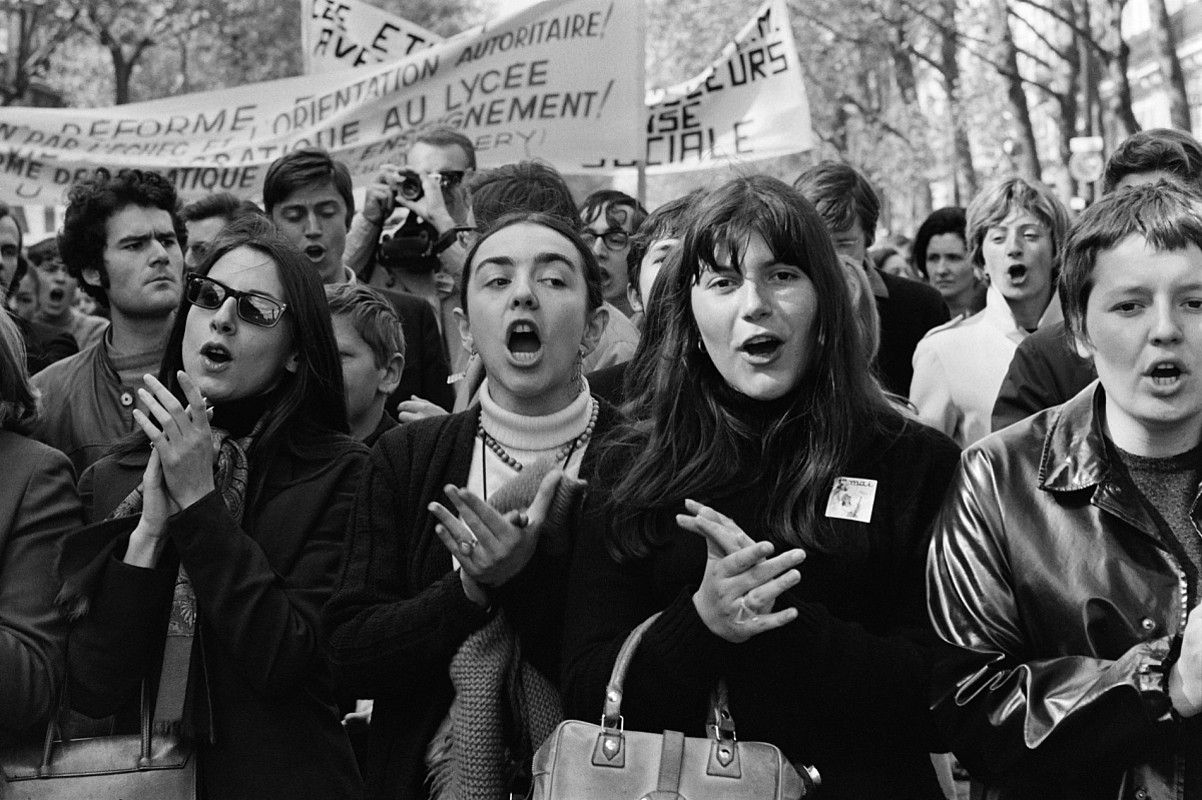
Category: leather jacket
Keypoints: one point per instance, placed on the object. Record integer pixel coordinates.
(1060, 608)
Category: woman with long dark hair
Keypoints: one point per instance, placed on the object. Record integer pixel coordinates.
(223, 539)
(448, 609)
(764, 440)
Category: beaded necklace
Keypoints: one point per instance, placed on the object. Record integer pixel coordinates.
(565, 452)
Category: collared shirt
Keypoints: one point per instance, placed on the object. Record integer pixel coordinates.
(959, 367)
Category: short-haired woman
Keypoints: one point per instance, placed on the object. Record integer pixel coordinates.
(1015, 233)
(763, 440)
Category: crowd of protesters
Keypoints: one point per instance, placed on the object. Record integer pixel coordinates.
(369, 499)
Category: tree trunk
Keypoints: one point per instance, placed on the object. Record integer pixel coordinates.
(1118, 105)
(1026, 155)
(1165, 45)
(964, 174)
(1069, 77)
(122, 72)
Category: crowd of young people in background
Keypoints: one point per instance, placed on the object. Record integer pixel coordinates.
(370, 513)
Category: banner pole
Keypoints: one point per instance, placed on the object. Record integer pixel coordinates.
(306, 38)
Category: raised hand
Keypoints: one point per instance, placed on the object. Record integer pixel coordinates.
(492, 547)
(742, 578)
(148, 537)
(181, 438)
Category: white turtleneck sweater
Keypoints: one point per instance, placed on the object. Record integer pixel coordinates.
(527, 439)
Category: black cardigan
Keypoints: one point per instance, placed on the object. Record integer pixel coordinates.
(843, 687)
(259, 650)
(399, 614)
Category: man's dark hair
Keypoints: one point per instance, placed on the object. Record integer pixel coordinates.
(1158, 149)
(525, 186)
(90, 204)
(605, 201)
(43, 251)
(449, 137)
(665, 222)
(219, 204)
(842, 195)
(307, 167)
(943, 220)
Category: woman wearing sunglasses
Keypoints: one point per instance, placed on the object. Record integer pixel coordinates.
(219, 541)
(463, 525)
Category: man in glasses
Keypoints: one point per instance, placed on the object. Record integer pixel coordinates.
(122, 239)
(307, 194)
(56, 296)
(610, 218)
(423, 256)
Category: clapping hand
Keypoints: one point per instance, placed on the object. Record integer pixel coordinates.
(491, 547)
(742, 578)
(181, 438)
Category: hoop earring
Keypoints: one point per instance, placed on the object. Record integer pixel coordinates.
(578, 377)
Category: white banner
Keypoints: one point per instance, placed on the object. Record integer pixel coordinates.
(515, 87)
(338, 34)
(749, 104)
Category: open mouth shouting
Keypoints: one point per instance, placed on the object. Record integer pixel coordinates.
(762, 348)
(1165, 374)
(1017, 272)
(524, 343)
(56, 295)
(215, 357)
(315, 252)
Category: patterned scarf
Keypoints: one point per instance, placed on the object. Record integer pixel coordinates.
(230, 477)
(503, 707)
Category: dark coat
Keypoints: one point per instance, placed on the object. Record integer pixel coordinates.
(399, 614)
(1045, 371)
(843, 687)
(425, 373)
(908, 309)
(1058, 599)
(43, 345)
(260, 587)
(38, 507)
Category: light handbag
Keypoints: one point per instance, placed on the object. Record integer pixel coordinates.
(583, 761)
(148, 765)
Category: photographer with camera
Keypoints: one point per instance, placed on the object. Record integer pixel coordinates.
(423, 257)
(307, 195)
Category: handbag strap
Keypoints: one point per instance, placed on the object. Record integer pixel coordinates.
(611, 717)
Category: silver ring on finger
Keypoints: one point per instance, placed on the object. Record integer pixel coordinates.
(467, 546)
(744, 615)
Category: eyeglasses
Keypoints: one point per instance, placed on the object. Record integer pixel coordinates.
(257, 309)
(614, 238)
(450, 178)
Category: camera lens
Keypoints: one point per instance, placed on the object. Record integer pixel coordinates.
(410, 187)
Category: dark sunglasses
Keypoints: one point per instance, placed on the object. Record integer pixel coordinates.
(257, 309)
(450, 178)
(614, 238)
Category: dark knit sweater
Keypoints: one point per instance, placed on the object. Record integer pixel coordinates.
(399, 613)
(843, 687)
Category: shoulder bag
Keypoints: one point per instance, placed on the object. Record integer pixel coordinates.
(582, 761)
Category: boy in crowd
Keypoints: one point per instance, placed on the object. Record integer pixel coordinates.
(372, 349)
(206, 217)
(308, 196)
(610, 218)
(56, 296)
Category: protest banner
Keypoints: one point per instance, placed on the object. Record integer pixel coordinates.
(750, 103)
(558, 81)
(339, 34)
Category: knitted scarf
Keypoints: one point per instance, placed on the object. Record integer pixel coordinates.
(503, 707)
